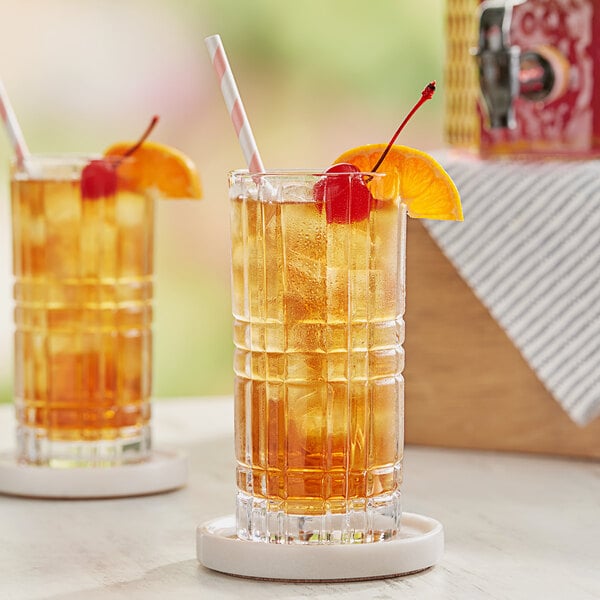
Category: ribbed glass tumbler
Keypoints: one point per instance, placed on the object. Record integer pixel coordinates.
(318, 280)
(83, 271)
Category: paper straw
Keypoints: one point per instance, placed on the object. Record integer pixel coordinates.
(15, 135)
(234, 104)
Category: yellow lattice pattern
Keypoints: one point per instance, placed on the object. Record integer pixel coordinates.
(461, 118)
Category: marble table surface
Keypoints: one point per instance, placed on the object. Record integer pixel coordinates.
(517, 527)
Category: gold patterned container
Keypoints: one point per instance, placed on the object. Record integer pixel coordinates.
(462, 124)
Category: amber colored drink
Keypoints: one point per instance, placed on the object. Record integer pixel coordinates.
(83, 311)
(318, 334)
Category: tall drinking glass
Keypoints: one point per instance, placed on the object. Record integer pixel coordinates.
(318, 308)
(83, 312)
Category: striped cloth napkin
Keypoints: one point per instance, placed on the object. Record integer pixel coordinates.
(530, 250)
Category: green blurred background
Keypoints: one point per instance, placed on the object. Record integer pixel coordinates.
(317, 77)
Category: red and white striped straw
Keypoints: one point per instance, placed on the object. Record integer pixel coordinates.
(15, 135)
(234, 104)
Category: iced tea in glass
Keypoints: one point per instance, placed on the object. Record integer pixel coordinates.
(318, 304)
(83, 273)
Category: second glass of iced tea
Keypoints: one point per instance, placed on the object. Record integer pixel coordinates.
(83, 312)
(318, 304)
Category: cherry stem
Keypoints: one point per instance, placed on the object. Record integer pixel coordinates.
(143, 138)
(426, 94)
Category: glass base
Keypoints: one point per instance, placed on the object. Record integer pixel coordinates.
(33, 447)
(368, 520)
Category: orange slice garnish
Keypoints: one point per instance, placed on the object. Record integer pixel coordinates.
(425, 188)
(157, 167)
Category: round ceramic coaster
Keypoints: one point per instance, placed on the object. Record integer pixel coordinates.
(419, 545)
(165, 470)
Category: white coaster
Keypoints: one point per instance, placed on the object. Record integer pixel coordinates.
(419, 545)
(165, 470)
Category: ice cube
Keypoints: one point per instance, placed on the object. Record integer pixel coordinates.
(62, 204)
(297, 192)
(130, 209)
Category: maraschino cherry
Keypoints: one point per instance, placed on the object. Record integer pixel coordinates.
(98, 180)
(334, 193)
(99, 177)
(347, 199)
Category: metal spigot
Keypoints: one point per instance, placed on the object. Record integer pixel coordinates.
(498, 61)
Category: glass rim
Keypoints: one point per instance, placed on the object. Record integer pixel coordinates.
(306, 172)
(35, 166)
(52, 157)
